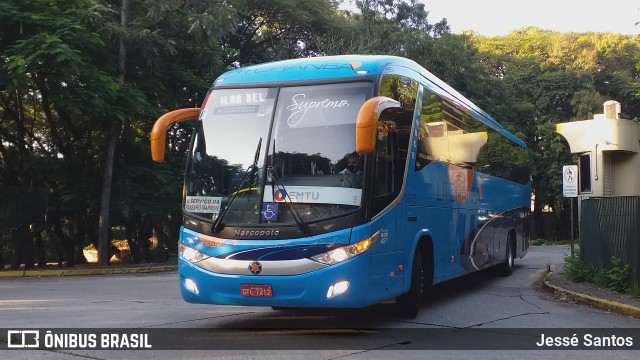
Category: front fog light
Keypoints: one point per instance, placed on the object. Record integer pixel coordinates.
(337, 288)
(346, 252)
(191, 286)
(191, 254)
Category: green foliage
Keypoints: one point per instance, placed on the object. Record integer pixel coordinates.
(552, 77)
(60, 89)
(576, 268)
(540, 241)
(598, 277)
(537, 242)
(616, 277)
(634, 290)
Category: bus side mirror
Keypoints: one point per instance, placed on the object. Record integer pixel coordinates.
(367, 122)
(159, 131)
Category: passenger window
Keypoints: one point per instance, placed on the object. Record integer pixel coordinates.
(448, 133)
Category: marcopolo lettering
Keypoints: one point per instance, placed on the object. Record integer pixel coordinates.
(258, 233)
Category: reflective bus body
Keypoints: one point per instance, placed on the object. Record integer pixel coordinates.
(343, 181)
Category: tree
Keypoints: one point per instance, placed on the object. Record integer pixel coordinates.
(54, 86)
(555, 78)
(63, 92)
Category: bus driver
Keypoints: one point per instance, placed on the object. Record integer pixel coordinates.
(352, 172)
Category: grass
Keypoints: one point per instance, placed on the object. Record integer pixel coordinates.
(539, 241)
(616, 277)
(634, 290)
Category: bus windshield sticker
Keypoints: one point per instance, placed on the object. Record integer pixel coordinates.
(321, 105)
(203, 204)
(300, 106)
(241, 109)
(239, 101)
(461, 181)
(269, 211)
(314, 195)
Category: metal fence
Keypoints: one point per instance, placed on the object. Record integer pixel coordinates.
(610, 226)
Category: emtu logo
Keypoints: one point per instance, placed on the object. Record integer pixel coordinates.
(280, 195)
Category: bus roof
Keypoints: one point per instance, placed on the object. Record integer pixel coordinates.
(350, 66)
(324, 67)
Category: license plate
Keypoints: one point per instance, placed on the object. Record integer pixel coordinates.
(256, 290)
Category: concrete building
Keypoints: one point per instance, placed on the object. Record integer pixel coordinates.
(608, 187)
(609, 151)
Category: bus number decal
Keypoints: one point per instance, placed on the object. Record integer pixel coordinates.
(337, 239)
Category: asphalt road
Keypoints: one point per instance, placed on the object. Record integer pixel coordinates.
(460, 309)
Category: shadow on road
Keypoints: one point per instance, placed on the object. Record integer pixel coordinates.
(375, 316)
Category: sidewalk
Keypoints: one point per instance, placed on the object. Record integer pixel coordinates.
(564, 288)
(89, 269)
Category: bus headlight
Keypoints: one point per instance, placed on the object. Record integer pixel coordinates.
(343, 253)
(191, 254)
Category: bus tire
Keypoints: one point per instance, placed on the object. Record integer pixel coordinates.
(408, 305)
(506, 268)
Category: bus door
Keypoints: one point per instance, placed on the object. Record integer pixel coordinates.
(387, 259)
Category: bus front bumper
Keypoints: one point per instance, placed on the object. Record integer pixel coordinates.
(312, 289)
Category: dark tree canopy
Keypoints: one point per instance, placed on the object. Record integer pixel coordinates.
(62, 89)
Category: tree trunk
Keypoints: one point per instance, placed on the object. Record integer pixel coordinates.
(105, 202)
(16, 240)
(132, 238)
(29, 254)
(56, 245)
(78, 240)
(159, 253)
(40, 251)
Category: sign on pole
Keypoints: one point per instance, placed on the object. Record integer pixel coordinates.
(570, 181)
(570, 190)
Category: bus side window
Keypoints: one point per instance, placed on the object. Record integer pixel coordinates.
(384, 159)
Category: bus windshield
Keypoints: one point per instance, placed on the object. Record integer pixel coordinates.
(305, 164)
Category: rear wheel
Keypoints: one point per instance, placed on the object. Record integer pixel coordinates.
(408, 305)
(506, 268)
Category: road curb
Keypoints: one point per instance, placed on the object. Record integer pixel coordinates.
(604, 304)
(79, 272)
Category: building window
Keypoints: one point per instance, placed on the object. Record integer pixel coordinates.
(585, 173)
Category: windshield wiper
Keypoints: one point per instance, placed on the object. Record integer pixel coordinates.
(276, 183)
(250, 173)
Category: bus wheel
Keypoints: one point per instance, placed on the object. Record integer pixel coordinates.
(506, 268)
(408, 305)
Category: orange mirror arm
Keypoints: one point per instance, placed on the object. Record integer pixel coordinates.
(367, 122)
(159, 131)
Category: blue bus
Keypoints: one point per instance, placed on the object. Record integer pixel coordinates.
(342, 182)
